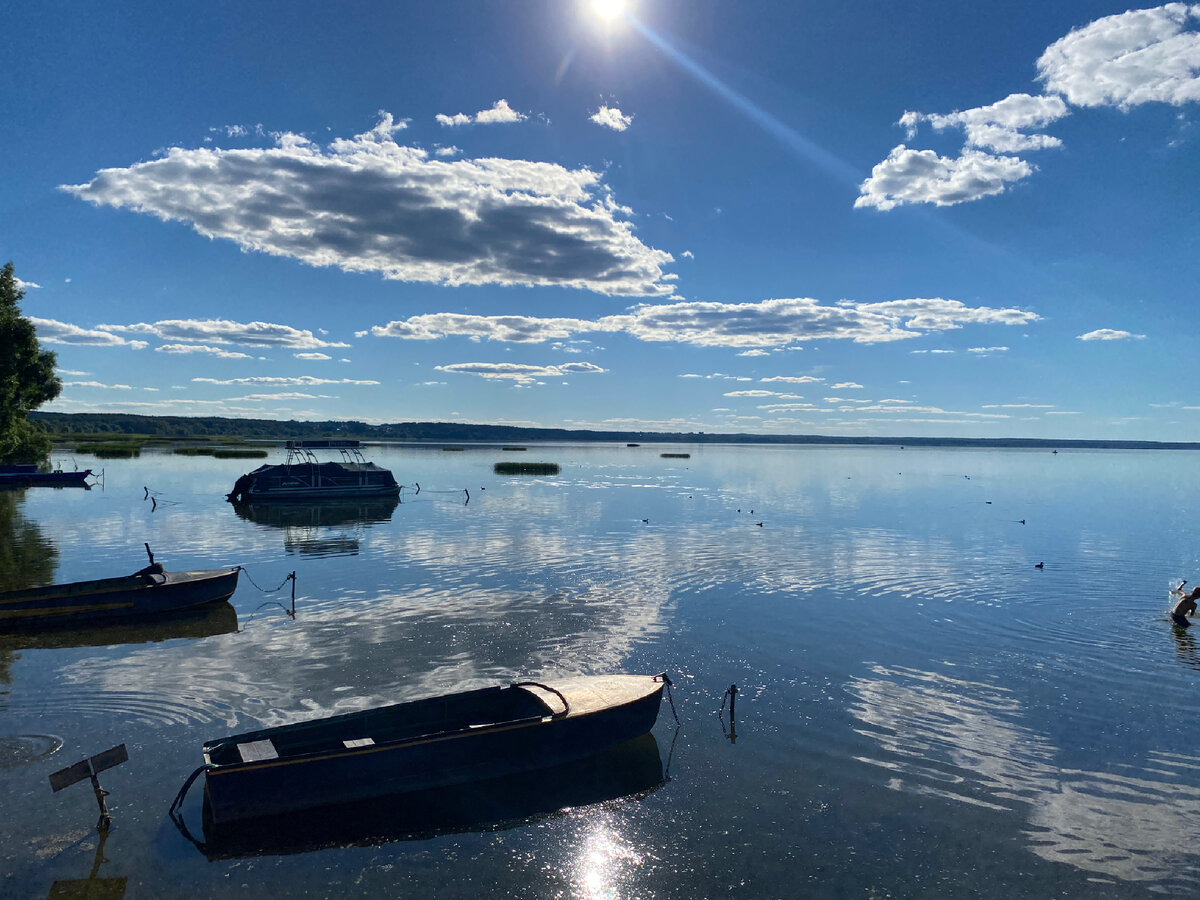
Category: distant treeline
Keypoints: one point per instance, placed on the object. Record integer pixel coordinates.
(64, 425)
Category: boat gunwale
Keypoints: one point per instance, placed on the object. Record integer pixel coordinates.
(214, 769)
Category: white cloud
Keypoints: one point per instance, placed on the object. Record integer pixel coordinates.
(368, 204)
(922, 176)
(202, 348)
(793, 379)
(847, 386)
(25, 285)
(767, 323)
(499, 113)
(611, 117)
(313, 356)
(521, 374)
(446, 151)
(98, 384)
(51, 331)
(753, 393)
(1000, 125)
(224, 331)
(754, 352)
(307, 380)
(283, 395)
(1139, 56)
(1110, 334)
(72, 372)
(986, 351)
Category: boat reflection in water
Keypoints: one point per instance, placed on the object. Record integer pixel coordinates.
(203, 621)
(629, 771)
(325, 528)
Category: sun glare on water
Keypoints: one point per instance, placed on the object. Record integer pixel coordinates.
(608, 9)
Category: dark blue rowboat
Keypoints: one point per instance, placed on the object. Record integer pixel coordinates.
(629, 772)
(28, 476)
(148, 592)
(421, 745)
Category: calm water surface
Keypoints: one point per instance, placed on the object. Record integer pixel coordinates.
(921, 711)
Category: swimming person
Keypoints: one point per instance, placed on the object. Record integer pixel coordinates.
(1186, 606)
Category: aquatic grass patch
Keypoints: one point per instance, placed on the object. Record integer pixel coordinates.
(238, 453)
(675, 455)
(194, 451)
(526, 468)
(111, 449)
(513, 449)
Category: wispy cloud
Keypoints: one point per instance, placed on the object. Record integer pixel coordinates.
(1110, 334)
(193, 349)
(768, 323)
(280, 380)
(224, 331)
(51, 331)
(98, 384)
(312, 356)
(368, 204)
(523, 375)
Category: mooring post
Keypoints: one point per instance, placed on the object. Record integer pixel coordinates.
(293, 577)
(101, 793)
(90, 768)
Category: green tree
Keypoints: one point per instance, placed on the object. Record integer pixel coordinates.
(27, 378)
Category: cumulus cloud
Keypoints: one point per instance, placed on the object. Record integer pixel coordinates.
(280, 380)
(98, 384)
(224, 331)
(1110, 334)
(313, 355)
(191, 349)
(51, 331)
(611, 117)
(922, 176)
(499, 113)
(523, 375)
(847, 386)
(369, 204)
(767, 323)
(1001, 125)
(1139, 56)
(1135, 57)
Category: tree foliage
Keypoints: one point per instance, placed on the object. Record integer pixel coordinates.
(27, 378)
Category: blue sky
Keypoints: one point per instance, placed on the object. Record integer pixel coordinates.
(893, 219)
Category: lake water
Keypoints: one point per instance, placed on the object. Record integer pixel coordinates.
(920, 710)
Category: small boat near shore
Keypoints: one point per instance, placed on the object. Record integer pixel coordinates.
(422, 745)
(628, 772)
(303, 477)
(149, 592)
(29, 476)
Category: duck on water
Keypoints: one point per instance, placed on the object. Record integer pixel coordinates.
(303, 477)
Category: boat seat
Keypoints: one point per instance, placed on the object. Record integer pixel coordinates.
(257, 751)
(358, 742)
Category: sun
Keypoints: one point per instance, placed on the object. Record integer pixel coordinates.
(608, 9)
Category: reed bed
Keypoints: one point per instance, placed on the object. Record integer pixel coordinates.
(526, 468)
(238, 453)
(675, 455)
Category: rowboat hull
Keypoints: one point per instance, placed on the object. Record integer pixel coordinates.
(45, 479)
(424, 744)
(630, 771)
(145, 594)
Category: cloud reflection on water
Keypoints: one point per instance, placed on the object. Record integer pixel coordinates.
(958, 740)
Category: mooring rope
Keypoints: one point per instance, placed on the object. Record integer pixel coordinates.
(175, 812)
(667, 681)
(291, 577)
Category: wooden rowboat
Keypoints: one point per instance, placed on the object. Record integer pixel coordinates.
(148, 592)
(421, 745)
